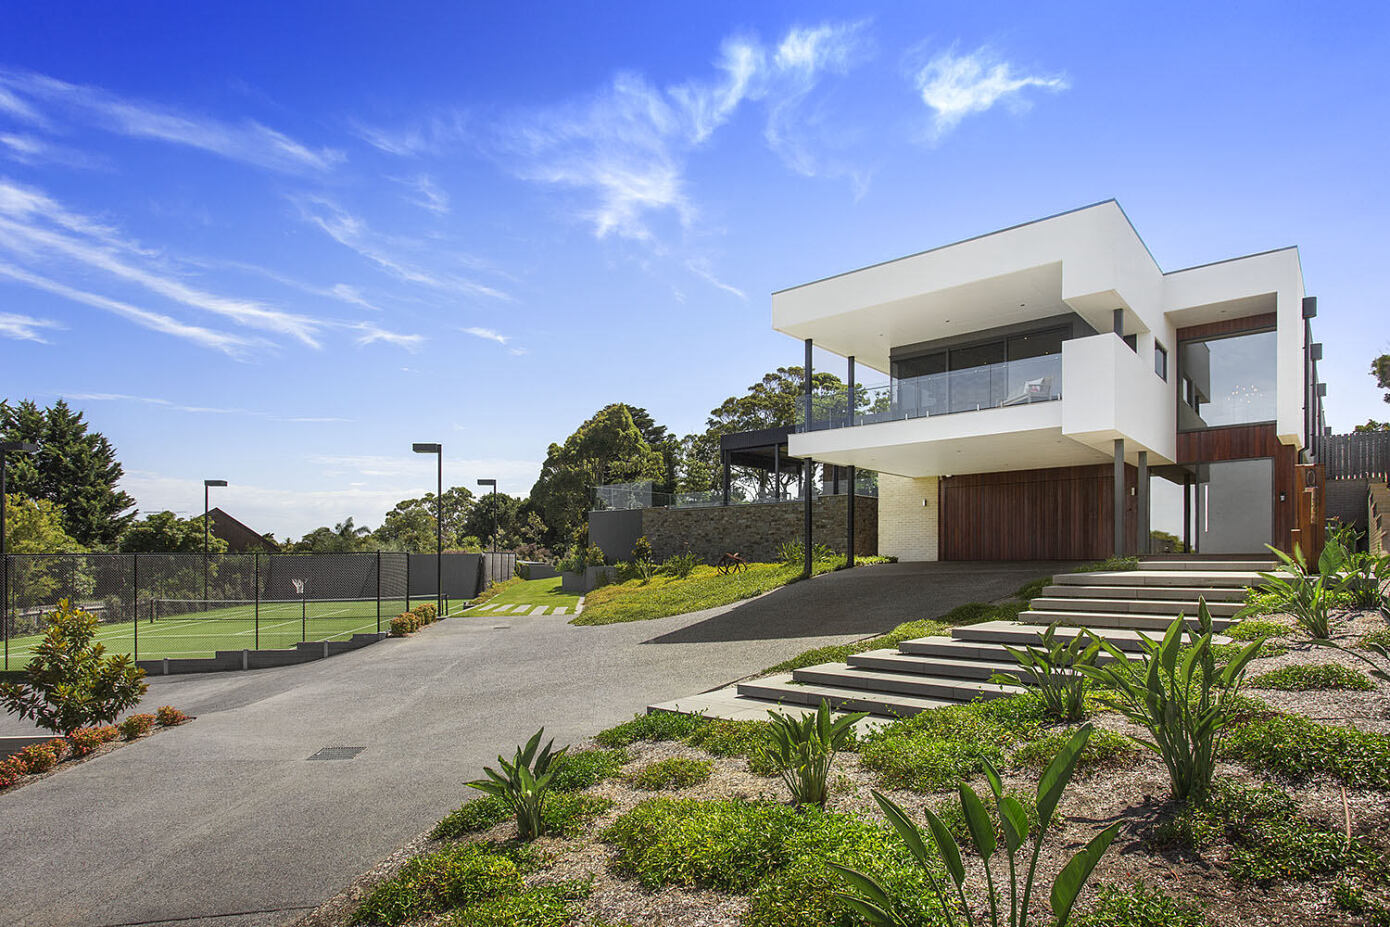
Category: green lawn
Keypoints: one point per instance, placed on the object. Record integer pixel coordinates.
(536, 593)
(660, 596)
(281, 625)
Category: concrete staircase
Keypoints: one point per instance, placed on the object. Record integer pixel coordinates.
(930, 672)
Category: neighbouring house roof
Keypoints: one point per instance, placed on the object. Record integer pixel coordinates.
(238, 536)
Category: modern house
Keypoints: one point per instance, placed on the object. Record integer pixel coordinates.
(1040, 377)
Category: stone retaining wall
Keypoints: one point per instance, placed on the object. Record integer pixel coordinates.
(755, 531)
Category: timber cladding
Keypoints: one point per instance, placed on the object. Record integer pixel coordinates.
(1063, 513)
(1249, 323)
(1247, 442)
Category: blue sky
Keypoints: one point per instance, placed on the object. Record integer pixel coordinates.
(274, 244)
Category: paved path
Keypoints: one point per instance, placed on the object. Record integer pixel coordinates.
(224, 822)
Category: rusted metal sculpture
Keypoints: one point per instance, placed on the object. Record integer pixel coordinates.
(731, 563)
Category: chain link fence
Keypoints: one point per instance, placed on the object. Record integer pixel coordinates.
(186, 605)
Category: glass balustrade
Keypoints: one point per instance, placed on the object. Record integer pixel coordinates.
(992, 386)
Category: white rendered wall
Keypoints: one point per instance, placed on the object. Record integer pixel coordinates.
(1111, 392)
(907, 529)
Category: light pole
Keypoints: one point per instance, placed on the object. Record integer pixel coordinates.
(438, 451)
(6, 448)
(207, 484)
(493, 545)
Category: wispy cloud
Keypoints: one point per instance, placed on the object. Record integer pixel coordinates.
(626, 146)
(488, 334)
(700, 267)
(26, 218)
(958, 85)
(370, 334)
(191, 409)
(25, 327)
(225, 342)
(384, 251)
(427, 194)
(27, 96)
(350, 294)
(431, 136)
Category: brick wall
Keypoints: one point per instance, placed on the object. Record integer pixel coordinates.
(755, 531)
(907, 529)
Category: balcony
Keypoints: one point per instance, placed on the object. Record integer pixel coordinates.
(994, 386)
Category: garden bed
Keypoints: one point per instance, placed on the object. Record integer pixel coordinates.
(1295, 831)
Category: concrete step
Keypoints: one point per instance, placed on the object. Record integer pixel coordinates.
(780, 690)
(878, 682)
(1017, 633)
(1185, 593)
(1166, 607)
(1191, 578)
(1206, 566)
(951, 666)
(1098, 620)
(963, 651)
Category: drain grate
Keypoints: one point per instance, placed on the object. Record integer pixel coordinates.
(337, 753)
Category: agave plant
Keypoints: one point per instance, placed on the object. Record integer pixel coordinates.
(803, 749)
(1170, 694)
(524, 783)
(872, 902)
(1052, 671)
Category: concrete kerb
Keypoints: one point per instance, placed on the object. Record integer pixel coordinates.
(234, 660)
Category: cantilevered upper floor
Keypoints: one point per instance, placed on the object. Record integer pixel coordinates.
(1039, 345)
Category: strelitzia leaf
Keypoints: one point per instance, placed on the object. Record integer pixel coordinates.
(1014, 818)
(907, 831)
(946, 847)
(1075, 873)
(1058, 773)
(977, 822)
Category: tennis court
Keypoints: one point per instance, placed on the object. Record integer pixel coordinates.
(181, 628)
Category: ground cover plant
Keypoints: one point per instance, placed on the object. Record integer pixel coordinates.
(1304, 676)
(672, 773)
(1139, 906)
(1298, 748)
(705, 587)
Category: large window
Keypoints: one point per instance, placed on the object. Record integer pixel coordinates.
(1227, 381)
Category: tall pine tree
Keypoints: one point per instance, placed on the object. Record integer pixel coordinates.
(74, 468)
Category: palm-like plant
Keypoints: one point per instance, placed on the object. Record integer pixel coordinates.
(1052, 671)
(1171, 696)
(872, 902)
(1307, 595)
(524, 783)
(803, 749)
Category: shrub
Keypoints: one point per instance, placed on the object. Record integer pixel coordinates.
(403, 624)
(456, 877)
(1031, 590)
(1172, 699)
(726, 845)
(802, 750)
(680, 566)
(1303, 676)
(793, 553)
(12, 769)
(1297, 748)
(870, 898)
(1105, 750)
(70, 682)
(722, 738)
(136, 726)
(575, 771)
(39, 758)
(565, 813)
(1254, 629)
(805, 893)
(524, 783)
(169, 716)
(1052, 672)
(968, 613)
(86, 739)
(1138, 906)
(657, 726)
(1269, 841)
(936, 748)
(594, 556)
(677, 772)
(428, 613)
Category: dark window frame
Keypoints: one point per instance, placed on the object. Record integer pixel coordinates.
(1160, 360)
(1187, 381)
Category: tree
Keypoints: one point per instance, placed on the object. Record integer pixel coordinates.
(166, 533)
(501, 510)
(1372, 425)
(771, 402)
(70, 682)
(410, 526)
(74, 468)
(659, 439)
(608, 448)
(343, 538)
(35, 526)
(1380, 369)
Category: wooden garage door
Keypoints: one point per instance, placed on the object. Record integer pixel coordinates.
(1057, 514)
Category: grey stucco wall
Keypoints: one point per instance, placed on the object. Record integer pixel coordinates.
(756, 531)
(616, 530)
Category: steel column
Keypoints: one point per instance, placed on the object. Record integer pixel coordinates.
(1142, 515)
(1119, 496)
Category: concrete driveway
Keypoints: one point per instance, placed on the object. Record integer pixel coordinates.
(224, 821)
